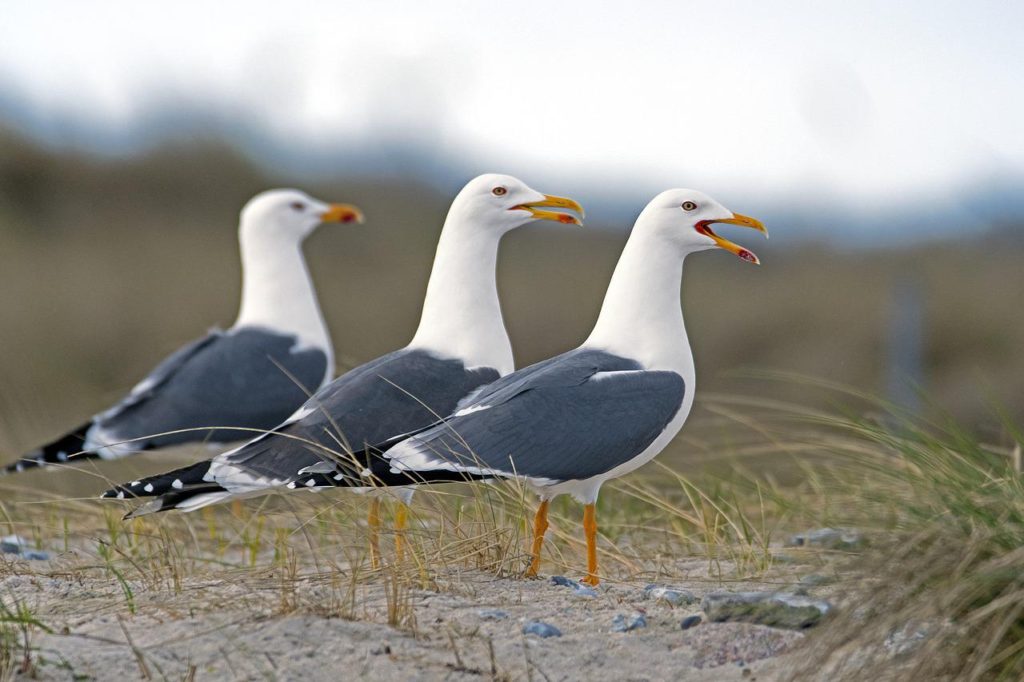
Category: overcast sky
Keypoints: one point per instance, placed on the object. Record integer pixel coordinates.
(863, 99)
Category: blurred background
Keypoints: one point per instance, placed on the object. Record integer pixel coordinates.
(880, 143)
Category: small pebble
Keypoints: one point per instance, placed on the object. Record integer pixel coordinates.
(672, 596)
(621, 624)
(775, 609)
(579, 589)
(15, 544)
(535, 627)
(690, 622)
(12, 544)
(492, 614)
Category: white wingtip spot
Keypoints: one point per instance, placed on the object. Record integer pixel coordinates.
(62, 456)
(134, 483)
(177, 485)
(338, 477)
(120, 494)
(310, 483)
(148, 488)
(19, 467)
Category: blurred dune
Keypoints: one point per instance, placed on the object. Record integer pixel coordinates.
(107, 263)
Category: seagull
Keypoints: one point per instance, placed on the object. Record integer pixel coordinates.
(568, 424)
(250, 376)
(460, 345)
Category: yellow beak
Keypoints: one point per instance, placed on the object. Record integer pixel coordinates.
(737, 219)
(534, 207)
(341, 213)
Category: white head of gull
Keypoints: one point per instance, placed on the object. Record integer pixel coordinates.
(251, 376)
(461, 311)
(568, 424)
(277, 292)
(459, 346)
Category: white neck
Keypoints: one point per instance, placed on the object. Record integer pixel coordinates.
(461, 311)
(277, 292)
(642, 316)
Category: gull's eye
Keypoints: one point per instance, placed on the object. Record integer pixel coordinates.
(499, 191)
(689, 205)
(297, 206)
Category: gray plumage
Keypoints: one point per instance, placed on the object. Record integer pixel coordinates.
(572, 417)
(248, 378)
(397, 393)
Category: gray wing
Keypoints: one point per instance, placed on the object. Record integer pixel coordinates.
(167, 367)
(573, 417)
(395, 394)
(248, 378)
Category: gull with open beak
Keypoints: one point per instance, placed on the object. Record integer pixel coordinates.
(251, 376)
(704, 227)
(568, 424)
(460, 345)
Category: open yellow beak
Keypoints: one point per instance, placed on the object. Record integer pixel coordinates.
(341, 213)
(535, 207)
(704, 227)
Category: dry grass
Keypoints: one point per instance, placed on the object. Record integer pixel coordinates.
(308, 554)
(752, 468)
(937, 593)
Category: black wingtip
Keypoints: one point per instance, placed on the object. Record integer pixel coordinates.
(174, 500)
(126, 491)
(161, 484)
(65, 450)
(378, 472)
(19, 466)
(313, 481)
(116, 493)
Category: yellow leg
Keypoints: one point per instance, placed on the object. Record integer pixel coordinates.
(540, 525)
(401, 514)
(373, 521)
(590, 528)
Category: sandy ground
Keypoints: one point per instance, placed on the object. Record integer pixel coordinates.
(221, 621)
(255, 631)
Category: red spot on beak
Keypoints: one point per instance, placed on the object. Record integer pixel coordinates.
(747, 256)
(566, 218)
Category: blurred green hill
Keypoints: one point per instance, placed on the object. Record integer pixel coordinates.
(108, 263)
